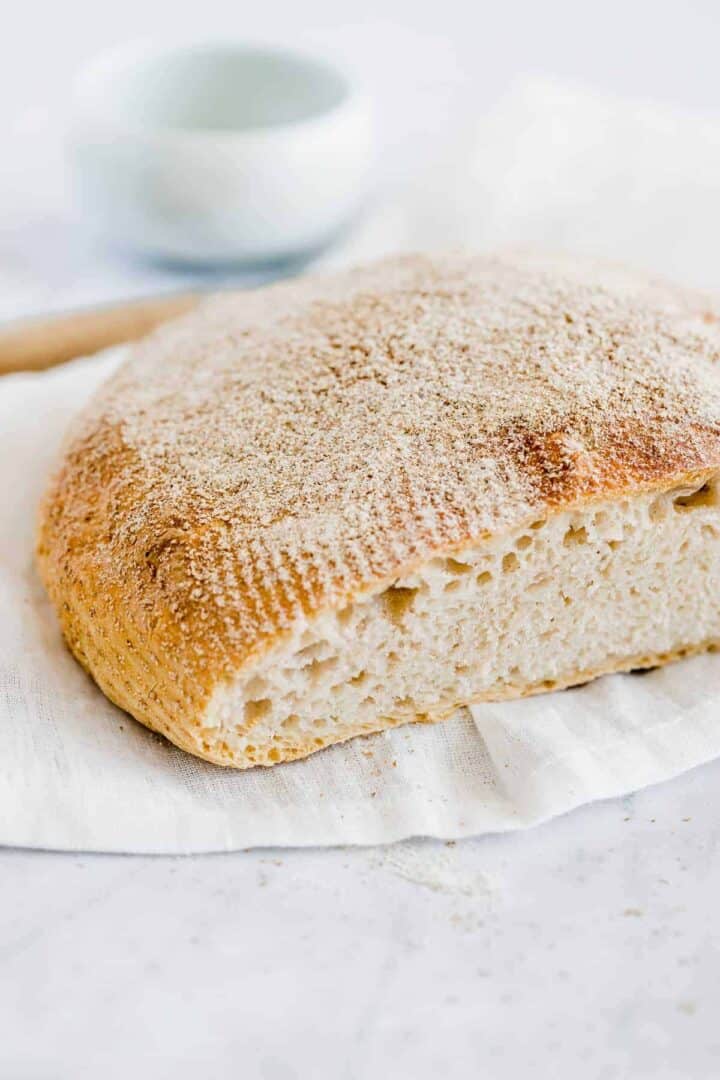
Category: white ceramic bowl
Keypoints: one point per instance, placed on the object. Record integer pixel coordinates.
(219, 152)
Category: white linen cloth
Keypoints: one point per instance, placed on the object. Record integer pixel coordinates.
(550, 166)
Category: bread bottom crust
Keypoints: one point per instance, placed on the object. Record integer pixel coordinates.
(444, 710)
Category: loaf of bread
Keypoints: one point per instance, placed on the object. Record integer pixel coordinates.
(337, 505)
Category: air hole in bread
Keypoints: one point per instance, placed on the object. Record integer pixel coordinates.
(398, 601)
(317, 668)
(359, 679)
(256, 710)
(524, 542)
(346, 615)
(452, 586)
(510, 562)
(536, 525)
(256, 688)
(686, 499)
(454, 566)
(484, 578)
(317, 650)
(575, 536)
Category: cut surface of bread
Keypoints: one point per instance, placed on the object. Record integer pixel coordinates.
(611, 587)
(335, 506)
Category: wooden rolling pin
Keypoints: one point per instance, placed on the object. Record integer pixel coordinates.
(37, 343)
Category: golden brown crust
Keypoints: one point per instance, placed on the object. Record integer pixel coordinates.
(281, 452)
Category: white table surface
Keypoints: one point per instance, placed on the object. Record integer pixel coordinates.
(584, 948)
(587, 948)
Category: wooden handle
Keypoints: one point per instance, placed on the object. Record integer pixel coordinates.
(34, 344)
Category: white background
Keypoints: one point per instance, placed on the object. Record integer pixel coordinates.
(586, 948)
(433, 65)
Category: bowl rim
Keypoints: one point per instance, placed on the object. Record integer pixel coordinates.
(99, 70)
